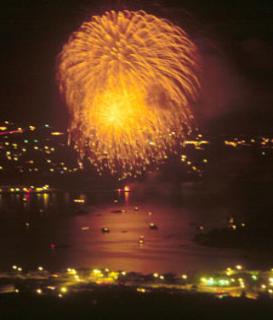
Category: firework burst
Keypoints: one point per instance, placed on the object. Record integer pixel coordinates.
(129, 79)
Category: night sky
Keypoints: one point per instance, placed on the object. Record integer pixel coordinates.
(235, 41)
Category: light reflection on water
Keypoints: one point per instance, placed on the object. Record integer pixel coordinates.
(76, 232)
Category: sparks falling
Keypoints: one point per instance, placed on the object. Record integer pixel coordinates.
(129, 79)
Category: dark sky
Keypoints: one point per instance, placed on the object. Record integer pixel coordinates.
(235, 40)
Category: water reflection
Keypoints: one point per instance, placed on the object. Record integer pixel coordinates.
(45, 198)
(53, 230)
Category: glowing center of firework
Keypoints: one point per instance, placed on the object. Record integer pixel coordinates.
(128, 79)
(115, 115)
(118, 109)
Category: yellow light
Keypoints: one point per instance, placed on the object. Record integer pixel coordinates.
(204, 280)
(63, 289)
(231, 143)
(56, 133)
(114, 275)
(72, 271)
(96, 273)
(39, 291)
(196, 144)
(184, 276)
(40, 268)
(134, 107)
(239, 267)
(155, 275)
(51, 288)
(79, 200)
(141, 290)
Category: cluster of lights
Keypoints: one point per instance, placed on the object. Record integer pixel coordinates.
(232, 281)
(235, 226)
(24, 189)
(190, 165)
(215, 282)
(32, 155)
(199, 144)
(263, 142)
(23, 150)
(237, 280)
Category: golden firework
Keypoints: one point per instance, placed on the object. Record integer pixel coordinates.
(128, 79)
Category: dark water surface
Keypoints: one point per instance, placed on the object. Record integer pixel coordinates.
(53, 231)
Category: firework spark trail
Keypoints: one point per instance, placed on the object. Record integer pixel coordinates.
(129, 79)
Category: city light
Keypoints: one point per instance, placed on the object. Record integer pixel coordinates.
(250, 283)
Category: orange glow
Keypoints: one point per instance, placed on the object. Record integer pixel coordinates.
(129, 79)
(79, 201)
(56, 133)
(127, 189)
